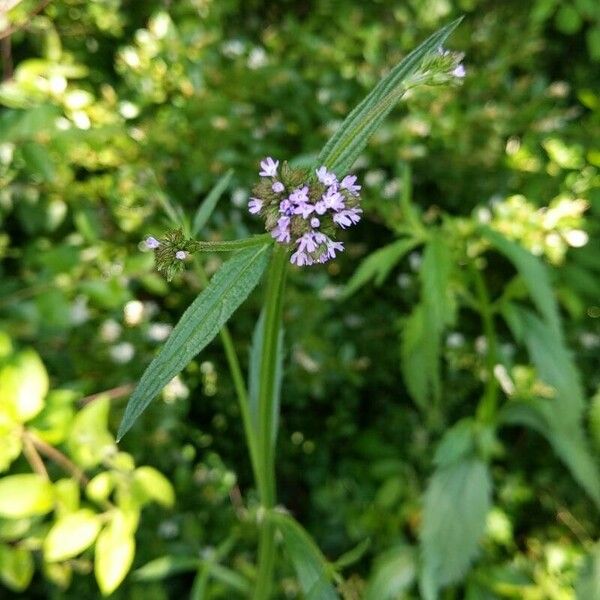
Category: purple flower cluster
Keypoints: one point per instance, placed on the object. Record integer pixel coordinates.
(305, 214)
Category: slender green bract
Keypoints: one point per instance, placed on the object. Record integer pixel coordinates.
(205, 210)
(348, 141)
(198, 326)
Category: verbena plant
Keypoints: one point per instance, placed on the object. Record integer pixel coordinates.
(303, 213)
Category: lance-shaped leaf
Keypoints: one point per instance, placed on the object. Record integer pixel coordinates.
(349, 140)
(198, 326)
(312, 569)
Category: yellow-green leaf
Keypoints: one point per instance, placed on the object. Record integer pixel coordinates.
(100, 487)
(71, 535)
(25, 495)
(23, 386)
(153, 485)
(16, 567)
(66, 494)
(89, 440)
(115, 549)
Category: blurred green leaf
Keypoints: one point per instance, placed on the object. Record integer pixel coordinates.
(38, 161)
(588, 584)
(198, 326)
(394, 573)
(378, 265)
(16, 567)
(312, 569)
(206, 209)
(166, 566)
(457, 501)
(71, 535)
(534, 274)
(25, 495)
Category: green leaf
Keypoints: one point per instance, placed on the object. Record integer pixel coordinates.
(567, 440)
(348, 141)
(419, 351)
(38, 161)
(206, 209)
(89, 440)
(100, 487)
(378, 265)
(154, 486)
(25, 495)
(16, 567)
(588, 584)
(422, 332)
(532, 271)
(312, 569)
(23, 386)
(200, 323)
(457, 501)
(457, 444)
(71, 535)
(66, 496)
(166, 566)
(393, 574)
(254, 375)
(115, 549)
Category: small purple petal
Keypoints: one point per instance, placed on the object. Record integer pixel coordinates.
(278, 187)
(255, 205)
(314, 222)
(459, 71)
(181, 255)
(333, 199)
(152, 243)
(326, 177)
(348, 183)
(269, 167)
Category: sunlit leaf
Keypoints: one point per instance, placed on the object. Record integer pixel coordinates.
(25, 495)
(200, 323)
(71, 535)
(114, 552)
(166, 566)
(153, 485)
(23, 385)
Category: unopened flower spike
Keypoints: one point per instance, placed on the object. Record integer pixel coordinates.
(304, 211)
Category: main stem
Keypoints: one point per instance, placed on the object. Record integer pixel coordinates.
(488, 406)
(266, 433)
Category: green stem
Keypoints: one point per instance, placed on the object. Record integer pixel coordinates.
(240, 389)
(266, 435)
(489, 403)
(229, 246)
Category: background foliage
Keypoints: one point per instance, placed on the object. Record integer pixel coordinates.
(440, 424)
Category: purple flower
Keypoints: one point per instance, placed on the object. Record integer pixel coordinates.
(321, 207)
(459, 71)
(348, 217)
(299, 195)
(314, 222)
(333, 247)
(286, 207)
(307, 242)
(304, 209)
(255, 205)
(333, 199)
(348, 183)
(278, 187)
(301, 258)
(269, 167)
(181, 255)
(282, 232)
(152, 243)
(326, 177)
